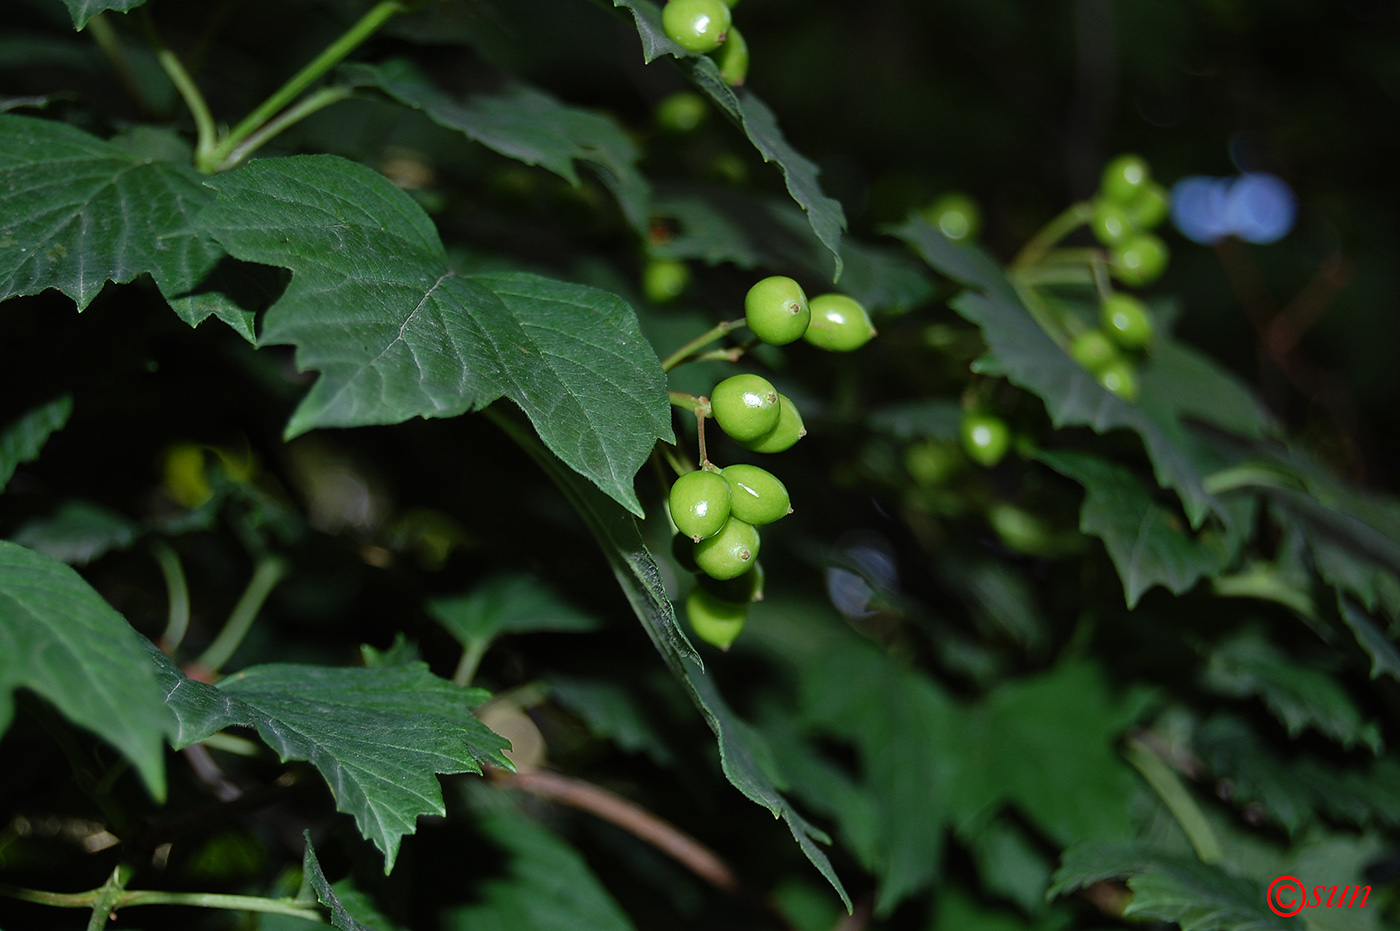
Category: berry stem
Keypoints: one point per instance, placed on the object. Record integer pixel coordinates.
(128, 898)
(178, 593)
(690, 402)
(206, 133)
(684, 353)
(318, 101)
(1075, 216)
(700, 437)
(268, 572)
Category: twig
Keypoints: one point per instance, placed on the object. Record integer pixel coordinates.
(666, 837)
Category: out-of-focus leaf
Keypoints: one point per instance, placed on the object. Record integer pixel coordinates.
(525, 124)
(511, 604)
(78, 532)
(1385, 658)
(926, 418)
(1148, 543)
(21, 440)
(59, 639)
(824, 214)
(547, 886)
(611, 712)
(743, 755)
(1298, 695)
(84, 10)
(1011, 864)
(377, 735)
(395, 334)
(1170, 888)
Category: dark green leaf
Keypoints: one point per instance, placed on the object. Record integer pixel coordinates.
(325, 894)
(21, 440)
(377, 735)
(825, 215)
(613, 713)
(78, 532)
(1170, 888)
(743, 756)
(526, 124)
(512, 604)
(1011, 864)
(59, 639)
(1385, 658)
(84, 10)
(1148, 543)
(395, 334)
(547, 886)
(77, 212)
(926, 418)
(1298, 695)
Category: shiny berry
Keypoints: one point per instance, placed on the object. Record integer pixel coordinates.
(839, 323)
(1150, 207)
(716, 622)
(745, 406)
(776, 310)
(729, 553)
(985, 438)
(755, 495)
(1124, 178)
(787, 432)
(1140, 259)
(1093, 350)
(700, 503)
(1120, 378)
(696, 25)
(1127, 320)
(1110, 222)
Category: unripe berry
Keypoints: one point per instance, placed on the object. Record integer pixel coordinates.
(700, 503)
(955, 215)
(714, 621)
(985, 438)
(1124, 178)
(1120, 378)
(1110, 223)
(776, 310)
(681, 112)
(729, 553)
(788, 431)
(734, 59)
(1150, 207)
(839, 323)
(664, 280)
(1093, 350)
(696, 25)
(1127, 320)
(745, 406)
(1140, 259)
(740, 590)
(755, 495)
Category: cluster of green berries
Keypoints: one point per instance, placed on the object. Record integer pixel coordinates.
(778, 312)
(707, 26)
(1125, 329)
(1129, 205)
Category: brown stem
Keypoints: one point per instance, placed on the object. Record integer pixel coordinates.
(666, 837)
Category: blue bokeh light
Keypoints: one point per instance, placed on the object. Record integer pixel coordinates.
(1255, 206)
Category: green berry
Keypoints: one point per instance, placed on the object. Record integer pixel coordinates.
(1093, 350)
(932, 462)
(985, 438)
(734, 59)
(755, 495)
(714, 621)
(1120, 378)
(1110, 222)
(729, 553)
(700, 503)
(1021, 530)
(745, 406)
(776, 310)
(1127, 320)
(681, 112)
(839, 323)
(1124, 178)
(956, 215)
(787, 432)
(1150, 207)
(664, 280)
(1140, 259)
(740, 590)
(696, 25)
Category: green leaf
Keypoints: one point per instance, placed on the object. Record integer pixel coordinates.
(926, 418)
(547, 886)
(526, 124)
(1249, 665)
(22, 440)
(612, 713)
(59, 639)
(1031, 359)
(1171, 888)
(395, 334)
(743, 756)
(325, 894)
(78, 532)
(1385, 658)
(1148, 543)
(77, 212)
(824, 214)
(377, 735)
(84, 10)
(717, 224)
(511, 604)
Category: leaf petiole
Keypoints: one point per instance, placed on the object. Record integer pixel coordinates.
(1075, 216)
(118, 898)
(685, 353)
(269, 571)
